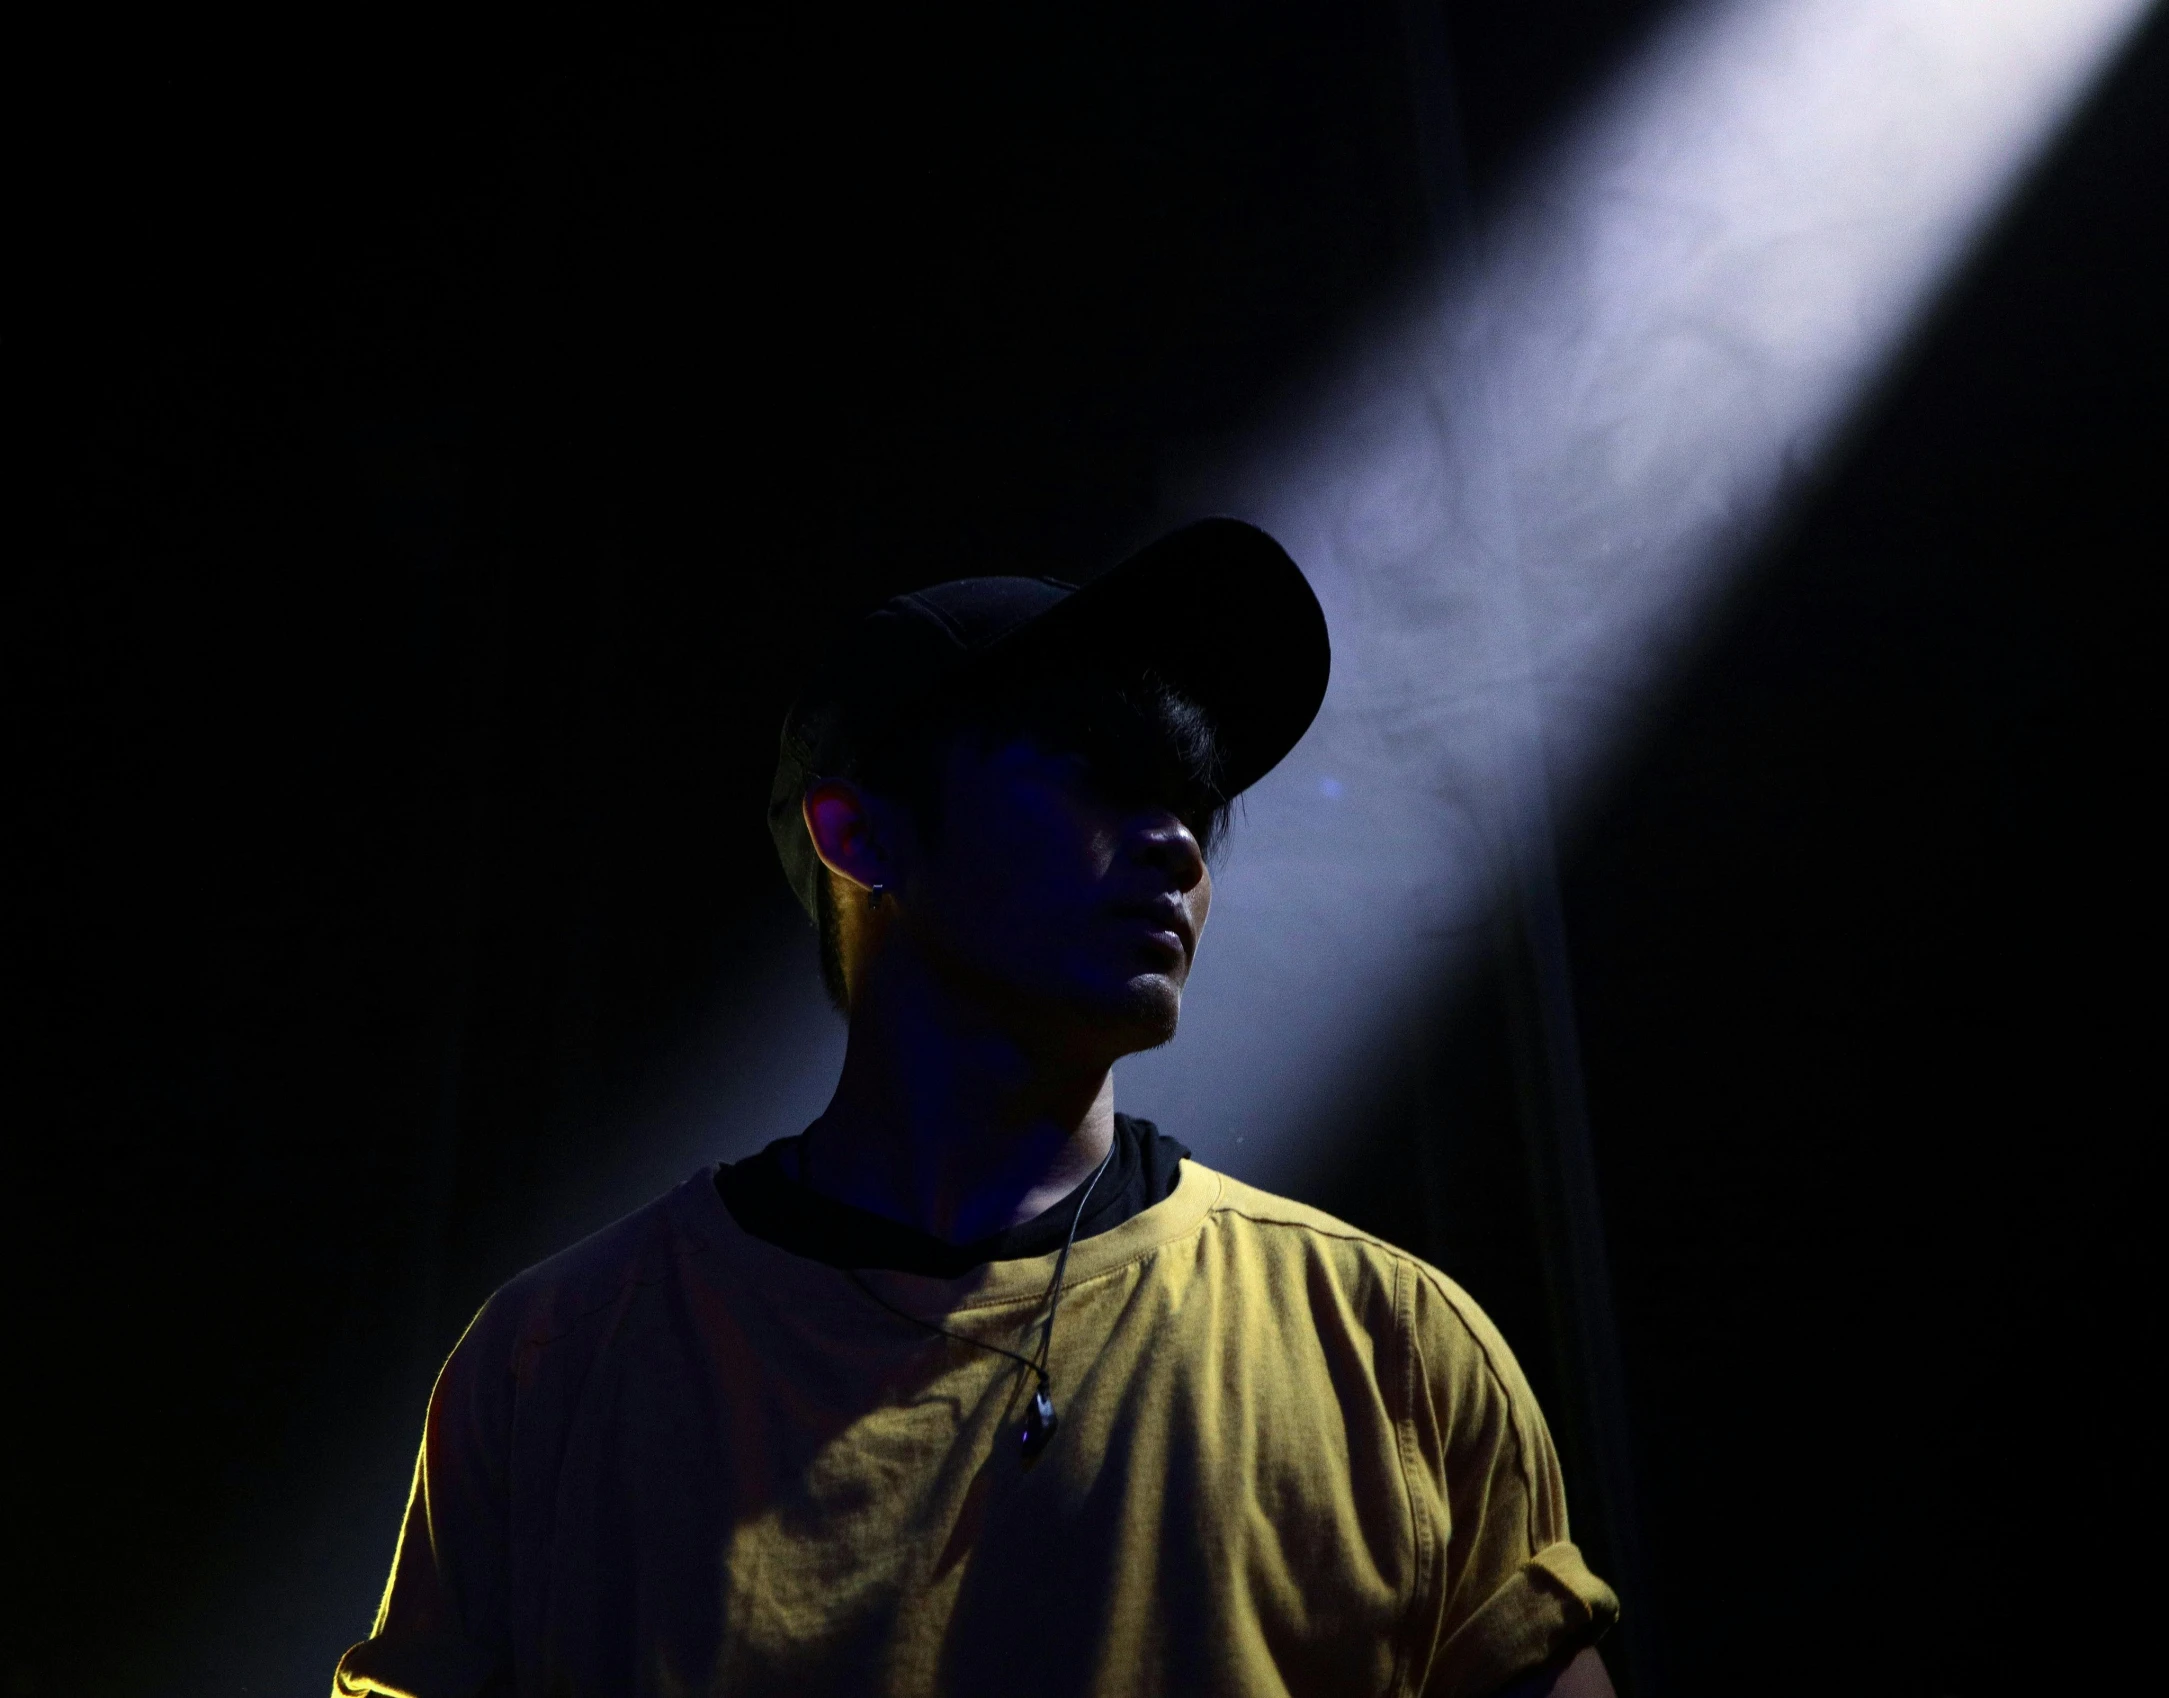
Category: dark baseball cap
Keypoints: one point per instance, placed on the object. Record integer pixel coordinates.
(1216, 609)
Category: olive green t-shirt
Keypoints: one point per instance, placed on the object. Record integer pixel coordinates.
(678, 1459)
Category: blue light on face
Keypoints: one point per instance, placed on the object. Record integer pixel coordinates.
(1330, 789)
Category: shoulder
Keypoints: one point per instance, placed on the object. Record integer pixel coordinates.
(1265, 1208)
(1280, 1227)
(586, 1282)
(1441, 1320)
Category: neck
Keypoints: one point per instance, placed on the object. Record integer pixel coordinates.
(953, 1119)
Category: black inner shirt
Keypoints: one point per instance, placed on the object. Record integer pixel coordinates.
(764, 1199)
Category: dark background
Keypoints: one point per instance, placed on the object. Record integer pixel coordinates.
(440, 452)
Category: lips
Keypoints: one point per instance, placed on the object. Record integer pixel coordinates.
(1166, 923)
(1168, 943)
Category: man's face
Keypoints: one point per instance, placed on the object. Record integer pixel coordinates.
(1061, 900)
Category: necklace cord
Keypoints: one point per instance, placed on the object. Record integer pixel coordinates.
(1061, 1262)
(1038, 1360)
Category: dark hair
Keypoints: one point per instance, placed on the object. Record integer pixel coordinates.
(1143, 740)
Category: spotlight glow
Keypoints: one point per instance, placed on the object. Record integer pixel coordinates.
(1520, 504)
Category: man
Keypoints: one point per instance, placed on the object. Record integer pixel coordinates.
(976, 1385)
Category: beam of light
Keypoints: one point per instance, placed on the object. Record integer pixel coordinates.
(1520, 503)
(1517, 504)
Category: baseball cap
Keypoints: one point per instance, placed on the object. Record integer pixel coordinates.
(1216, 609)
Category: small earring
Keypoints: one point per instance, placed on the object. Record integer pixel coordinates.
(874, 894)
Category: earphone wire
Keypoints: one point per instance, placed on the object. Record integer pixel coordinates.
(1054, 1286)
(852, 1274)
(1037, 1362)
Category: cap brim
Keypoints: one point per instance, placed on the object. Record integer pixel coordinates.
(1219, 611)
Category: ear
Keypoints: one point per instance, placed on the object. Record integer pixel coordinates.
(842, 821)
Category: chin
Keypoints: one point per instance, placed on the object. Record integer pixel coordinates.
(1125, 1014)
(1147, 1011)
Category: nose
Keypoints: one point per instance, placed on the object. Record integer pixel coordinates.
(1163, 842)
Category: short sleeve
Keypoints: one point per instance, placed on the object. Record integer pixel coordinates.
(1508, 1592)
(441, 1631)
